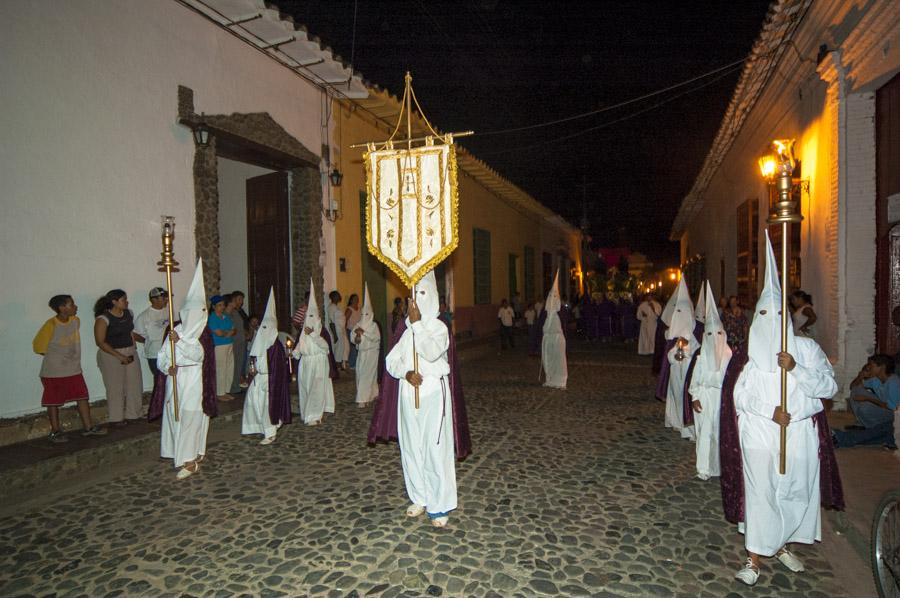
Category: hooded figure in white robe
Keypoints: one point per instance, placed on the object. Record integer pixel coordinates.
(257, 417)
(780, 509)
(648, 313)
(313, 377)
(706, 388)
(367, 338)
(184, 440)
(681, 330)
(553, 343)
(427, 449)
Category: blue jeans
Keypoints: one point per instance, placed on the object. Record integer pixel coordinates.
(867, 414)
(880, 434)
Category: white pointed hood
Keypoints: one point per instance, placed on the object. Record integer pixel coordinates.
(426, 296)
(669, 309)
(268, 329)
(313, 315)
(764, 341)
(700, 310)
(194, 312)
(715, 352)
(553, 303)
(682, 320)
(367, 315)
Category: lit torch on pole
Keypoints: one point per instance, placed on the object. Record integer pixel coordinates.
(168, 265)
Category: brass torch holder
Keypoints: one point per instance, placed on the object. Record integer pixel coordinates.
(786, 213)
(168, 265)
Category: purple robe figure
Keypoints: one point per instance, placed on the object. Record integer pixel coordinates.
(732, 467)
(662, 381)
(384, 418)
(279, 385)
(659, 349)
(210, 402)
(606, 312)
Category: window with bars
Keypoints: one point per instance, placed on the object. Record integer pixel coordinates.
(528, 275)
(747, 238)
(482, 265)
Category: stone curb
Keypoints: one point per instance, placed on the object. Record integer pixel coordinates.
(50, 472)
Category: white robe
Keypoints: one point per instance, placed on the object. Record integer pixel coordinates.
(553, 353)
(183, 440)
(706, 387)
(367, 363)
(426, 434)
(340, 345)
(779, 509)
(313, 380)
(648, 314)
(256, 406)
(675, 391)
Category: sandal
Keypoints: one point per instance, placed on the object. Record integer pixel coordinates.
(440, 521)
(187, 470)
(414, 510)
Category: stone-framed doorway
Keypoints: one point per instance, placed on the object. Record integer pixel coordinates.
(255, 138)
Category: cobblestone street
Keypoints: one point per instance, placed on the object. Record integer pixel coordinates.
(573, 493)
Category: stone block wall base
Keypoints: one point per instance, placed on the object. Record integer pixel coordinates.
(29, 427)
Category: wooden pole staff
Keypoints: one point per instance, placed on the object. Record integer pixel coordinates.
(168, 265)
(785, 322)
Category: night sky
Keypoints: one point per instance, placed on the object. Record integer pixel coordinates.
(490, 65)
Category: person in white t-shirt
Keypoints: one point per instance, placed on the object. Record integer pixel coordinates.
(506, 315)
(150, 326)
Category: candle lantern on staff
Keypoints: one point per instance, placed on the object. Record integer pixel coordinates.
(413, 204)
(168, 265)
(777, 167)
(289, 343)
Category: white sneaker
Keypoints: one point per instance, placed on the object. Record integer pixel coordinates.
(790, 561)
(749, 574)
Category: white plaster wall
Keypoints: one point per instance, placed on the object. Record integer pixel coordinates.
(233, 177)
(835, 141)
(92, 155)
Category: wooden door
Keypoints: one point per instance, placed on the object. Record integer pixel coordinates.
(268, 244)
(887, 212)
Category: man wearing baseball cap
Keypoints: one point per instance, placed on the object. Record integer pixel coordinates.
(150, 325)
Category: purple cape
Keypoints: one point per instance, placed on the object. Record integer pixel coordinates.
(210, 403)
(688, 408)
(659, 348)
(662, 382)
(384, 419)
(279, 385)
(732, 478)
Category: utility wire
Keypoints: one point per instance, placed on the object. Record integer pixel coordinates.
(615, 121)
(730, 66)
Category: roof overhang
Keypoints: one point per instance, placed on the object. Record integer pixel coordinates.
(273, 33)
(781, 23)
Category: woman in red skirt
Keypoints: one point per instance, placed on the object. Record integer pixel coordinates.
(59, 341)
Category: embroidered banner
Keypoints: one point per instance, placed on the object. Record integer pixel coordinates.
(412, 207)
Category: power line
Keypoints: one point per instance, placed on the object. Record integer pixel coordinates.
(614, 106)
(615, 121)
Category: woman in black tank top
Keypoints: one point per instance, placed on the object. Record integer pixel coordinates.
(113, 328)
